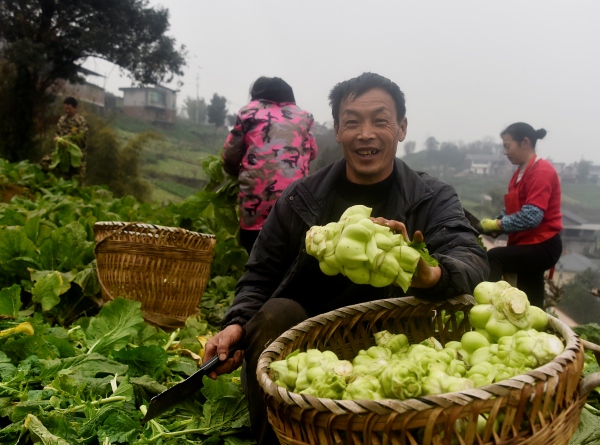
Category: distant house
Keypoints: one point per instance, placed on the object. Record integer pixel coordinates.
(488, 164)
(154, 104)
(87, 92)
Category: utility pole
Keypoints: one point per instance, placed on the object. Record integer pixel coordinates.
(197, 98)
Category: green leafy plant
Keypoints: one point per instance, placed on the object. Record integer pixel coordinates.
(66, 154)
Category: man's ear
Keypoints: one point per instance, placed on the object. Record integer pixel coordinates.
(403, 125)
(336, 128)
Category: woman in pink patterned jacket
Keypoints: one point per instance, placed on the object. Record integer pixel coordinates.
(269, 147)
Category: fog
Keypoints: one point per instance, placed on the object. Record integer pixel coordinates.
(468, 68)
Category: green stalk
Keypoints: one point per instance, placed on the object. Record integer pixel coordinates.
(99, 402)
(172, 338)
(191, 431)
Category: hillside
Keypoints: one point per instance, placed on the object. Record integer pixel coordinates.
(173, 163)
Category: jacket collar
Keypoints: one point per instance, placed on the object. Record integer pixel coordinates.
(410, 189)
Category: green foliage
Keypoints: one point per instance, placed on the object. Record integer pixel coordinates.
(577, 302)
(124, 158)
(66, 154)
(217, 110)
(195, 109)
(112, 328)
(74, 394)
(45, 41)
(81, 374)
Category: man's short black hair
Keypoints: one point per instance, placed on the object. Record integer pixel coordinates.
(70, 101)
(357, 86)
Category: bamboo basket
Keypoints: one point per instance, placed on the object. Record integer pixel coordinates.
(541, 407)
(165, 268)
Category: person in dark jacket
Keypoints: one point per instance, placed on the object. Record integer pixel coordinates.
(283, 285)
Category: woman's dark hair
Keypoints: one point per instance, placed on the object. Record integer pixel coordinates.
(273, 89)
(70, 101)
(520, 130)
(359, 85)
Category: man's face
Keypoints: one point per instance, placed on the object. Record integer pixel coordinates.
(69, 109)
(369, 132)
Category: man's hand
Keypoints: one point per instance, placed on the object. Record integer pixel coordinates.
(489, 226)
(425, 276)
(220, 345)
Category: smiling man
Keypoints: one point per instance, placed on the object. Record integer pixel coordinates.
(283, 285)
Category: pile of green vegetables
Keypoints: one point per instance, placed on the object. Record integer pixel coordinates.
(509, 341)
(363, 251)
(91, 383)
(74, 373)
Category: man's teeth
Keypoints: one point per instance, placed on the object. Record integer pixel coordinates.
(367, 152)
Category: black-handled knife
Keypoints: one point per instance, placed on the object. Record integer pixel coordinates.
(183, 390)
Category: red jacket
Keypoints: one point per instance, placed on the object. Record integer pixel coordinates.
(539, 187)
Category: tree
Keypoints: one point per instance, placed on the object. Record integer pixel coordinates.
(431, 144)
(217, 110)
(48, 40)
(409, 147)
(577, 300)
(124, 177)
(195, 109)
(582, 169)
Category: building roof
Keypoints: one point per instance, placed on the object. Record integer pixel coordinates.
(157, 87)
(484, 157)
(575, 262)
(572, 218)
(87, 72)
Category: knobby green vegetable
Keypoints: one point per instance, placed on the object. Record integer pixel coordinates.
(365, 252)
(504, 343)
(503, 310)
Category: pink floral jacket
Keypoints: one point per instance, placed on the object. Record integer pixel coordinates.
(269, 147)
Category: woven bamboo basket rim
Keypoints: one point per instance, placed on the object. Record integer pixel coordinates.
(150, 230)
(548, 373)
(149, 241)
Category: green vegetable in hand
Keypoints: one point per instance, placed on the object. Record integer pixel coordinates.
(365, 252)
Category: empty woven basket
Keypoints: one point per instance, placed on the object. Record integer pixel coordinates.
(165, 268)
(540, 407)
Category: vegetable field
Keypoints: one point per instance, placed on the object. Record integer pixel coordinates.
(73, 372)
(76, 374)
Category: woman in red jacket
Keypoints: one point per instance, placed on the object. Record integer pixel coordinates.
(531, 216)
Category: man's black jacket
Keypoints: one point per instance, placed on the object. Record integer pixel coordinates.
(419, 200)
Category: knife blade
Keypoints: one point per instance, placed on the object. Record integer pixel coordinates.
(476, 224)
(185, 389)
(473, 220)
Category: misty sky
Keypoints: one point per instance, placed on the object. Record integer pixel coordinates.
(468, 68)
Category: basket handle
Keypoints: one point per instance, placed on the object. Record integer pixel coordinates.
(590, 381)
(118, 231)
